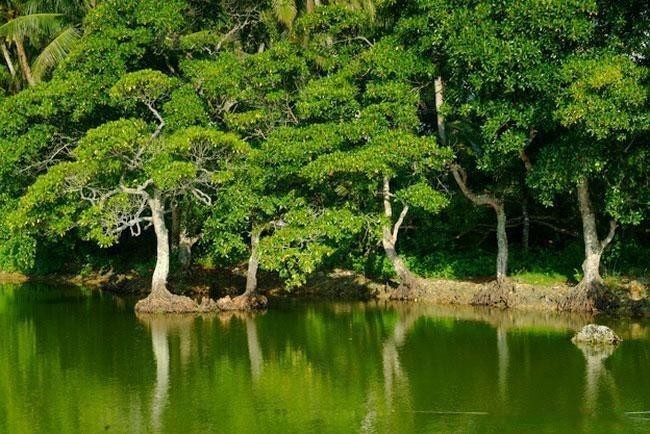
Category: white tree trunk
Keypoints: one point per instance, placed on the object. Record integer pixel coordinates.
(161, 272)
(593, 246)
(389, 238)
(439, 90)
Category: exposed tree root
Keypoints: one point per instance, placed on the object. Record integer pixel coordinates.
(244, 302)
(495, 294)
(170, 303)
(407, 291)
(589, 297)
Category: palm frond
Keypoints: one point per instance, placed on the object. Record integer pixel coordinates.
(285, 11)
(55, 52)
(62, 6)
(30, 25)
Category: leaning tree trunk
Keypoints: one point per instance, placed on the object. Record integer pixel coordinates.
(590, 294)
(24, 62)
(160, 300)
(7, 57)
(390, 231)
(406, 277)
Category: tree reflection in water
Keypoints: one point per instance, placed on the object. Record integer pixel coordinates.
(503, 362)
(161, 327)
(596, 374)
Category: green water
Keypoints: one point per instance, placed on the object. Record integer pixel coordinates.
(75, 361)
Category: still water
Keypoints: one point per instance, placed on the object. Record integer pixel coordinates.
(81, 361)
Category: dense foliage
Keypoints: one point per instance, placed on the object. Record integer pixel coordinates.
(304, 135)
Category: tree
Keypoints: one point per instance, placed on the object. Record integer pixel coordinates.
(286, 11)
(128, 175)
(378, 153)
(602, 109)
(40, 125)
(26, 21)
(266, 214)
(492, 98)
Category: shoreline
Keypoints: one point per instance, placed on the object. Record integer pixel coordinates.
(345, 285)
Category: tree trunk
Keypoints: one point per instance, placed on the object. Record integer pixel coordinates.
(499, 208)
(590, 294)
(176, 226)
(525, 231)
(7, 56)
(502, 244)
(250, 299)
(408, 280)
(185, 244)
(439, 90)
(161, 272)
(24, 62)
(593, 249)
(254, 349)
(477, 199)
(253, 262)
(160, 300)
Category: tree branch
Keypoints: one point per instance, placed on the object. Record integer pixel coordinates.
(139, 190)
(399, 222)
(161, 121)
(527, 163)
(201, 196)
(479, 199)
(610, 235)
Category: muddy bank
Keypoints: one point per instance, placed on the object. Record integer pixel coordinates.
(630, 296)
(629, 299)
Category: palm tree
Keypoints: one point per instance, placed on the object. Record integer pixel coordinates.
(50, 34)
(286, 11)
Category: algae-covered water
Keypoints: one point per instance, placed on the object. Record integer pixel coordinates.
(81, 361)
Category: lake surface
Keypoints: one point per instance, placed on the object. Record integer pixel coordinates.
(81, 361)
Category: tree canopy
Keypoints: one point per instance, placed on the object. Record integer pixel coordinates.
(303, 136)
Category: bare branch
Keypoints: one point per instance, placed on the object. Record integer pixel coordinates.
(161, 121)
(201, 196)
(139, 190)
(59, 153)
(355, 38)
